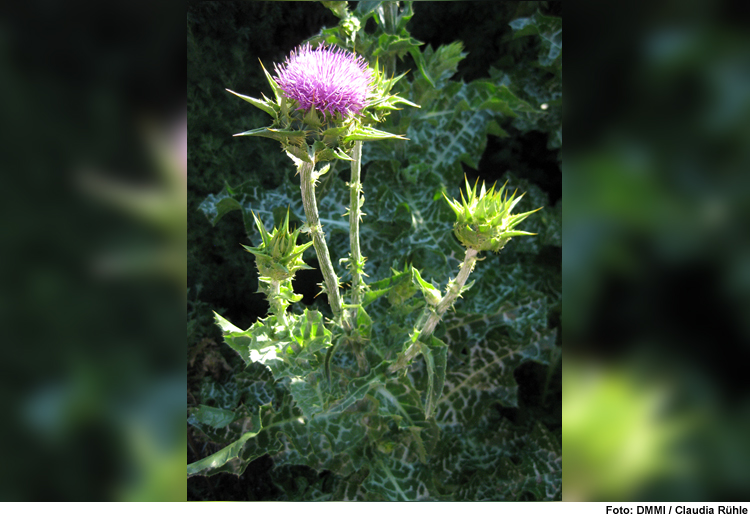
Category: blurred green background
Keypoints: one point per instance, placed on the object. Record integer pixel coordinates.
(92, 274)
(656, 261)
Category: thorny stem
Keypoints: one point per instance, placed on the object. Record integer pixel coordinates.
(278, 306)
(319, 241)
(391, 15)
(453, 290)
(355, 262)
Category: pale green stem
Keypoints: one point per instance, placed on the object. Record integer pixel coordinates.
(319, 241)
(434, 315)
(356, 264)
(278, 306)
(390, 10)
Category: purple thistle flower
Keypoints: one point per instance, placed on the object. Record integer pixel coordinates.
(332, 79)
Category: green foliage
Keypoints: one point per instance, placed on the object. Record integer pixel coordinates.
(319, 399)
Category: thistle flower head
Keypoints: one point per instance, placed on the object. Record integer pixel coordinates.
(484, 221)
(329, 78)
(325, 99)
(278, 257)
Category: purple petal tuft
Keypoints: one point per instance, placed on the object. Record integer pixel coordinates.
(332, 79)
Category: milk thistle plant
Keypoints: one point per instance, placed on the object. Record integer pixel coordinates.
(357, 392)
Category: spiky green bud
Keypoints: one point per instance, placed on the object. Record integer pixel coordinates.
(484, 221)
(278, 257)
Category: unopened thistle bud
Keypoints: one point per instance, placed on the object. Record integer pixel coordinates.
(484, 221)
(278, 257)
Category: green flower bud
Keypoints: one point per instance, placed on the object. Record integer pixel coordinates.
(484, 221)
(278, 257)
